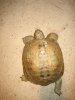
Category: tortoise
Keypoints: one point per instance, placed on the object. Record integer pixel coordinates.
(43, 60)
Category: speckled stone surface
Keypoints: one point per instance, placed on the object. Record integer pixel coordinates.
(19, 18)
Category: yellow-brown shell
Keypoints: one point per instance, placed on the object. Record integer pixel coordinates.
(42, 61)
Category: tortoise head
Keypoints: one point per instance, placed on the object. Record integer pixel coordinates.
(38, 34)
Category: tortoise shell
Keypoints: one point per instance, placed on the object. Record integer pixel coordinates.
(42, 58)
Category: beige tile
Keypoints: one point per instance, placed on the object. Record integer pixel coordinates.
(19, 18)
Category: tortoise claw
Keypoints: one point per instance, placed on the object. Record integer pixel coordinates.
(58, 92)
(23, 78)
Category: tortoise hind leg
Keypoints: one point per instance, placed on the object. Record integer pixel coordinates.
(58, 85)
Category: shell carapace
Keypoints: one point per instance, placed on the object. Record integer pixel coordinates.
(43, 60)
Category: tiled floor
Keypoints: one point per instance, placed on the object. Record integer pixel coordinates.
(19, 18)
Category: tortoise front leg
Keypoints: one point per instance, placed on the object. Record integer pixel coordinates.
(23, 78)
(58, 85)
(27, 39)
